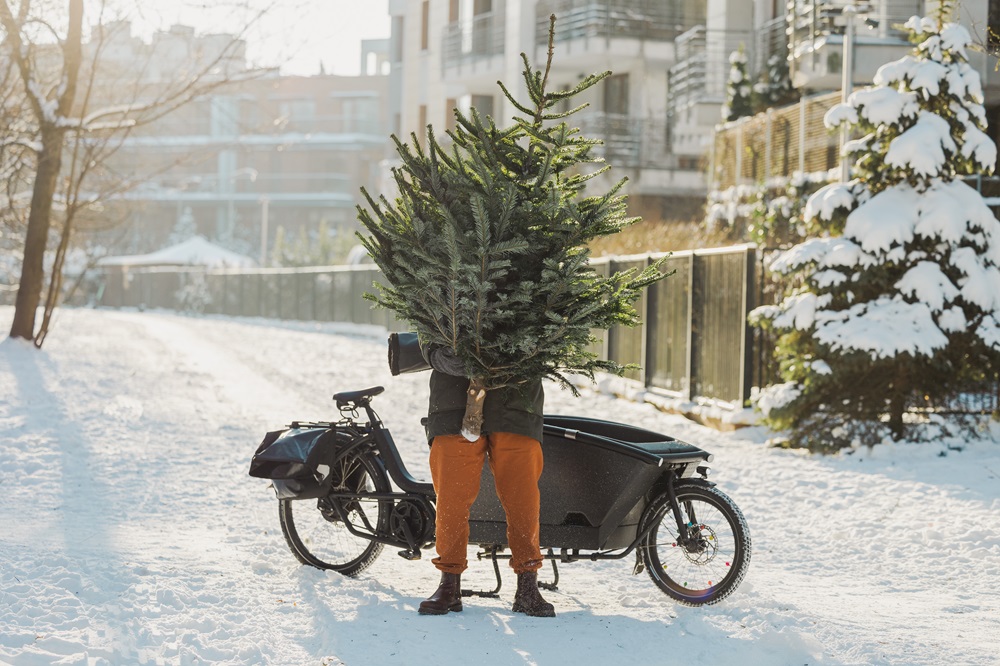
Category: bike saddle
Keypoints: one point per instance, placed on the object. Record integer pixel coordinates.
(361, 397)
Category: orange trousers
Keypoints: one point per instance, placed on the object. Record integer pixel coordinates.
(456, 465)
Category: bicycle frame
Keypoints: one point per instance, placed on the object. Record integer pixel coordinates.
(376, 440)
(606, 490)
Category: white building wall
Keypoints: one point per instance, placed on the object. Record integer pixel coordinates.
(430, 78)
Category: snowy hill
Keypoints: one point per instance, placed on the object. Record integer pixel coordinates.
(132, 534)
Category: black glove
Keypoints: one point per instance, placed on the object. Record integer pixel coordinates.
(443, 360)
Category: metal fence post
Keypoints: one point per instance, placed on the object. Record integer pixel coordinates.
(802, 134)
(746, 349)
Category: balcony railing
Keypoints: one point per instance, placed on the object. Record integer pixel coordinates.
(192, 185)
(629, 141)
(771, 40)
(701, 70)
(193, 125)
(628, 19)
(466, 42)
(810, 20)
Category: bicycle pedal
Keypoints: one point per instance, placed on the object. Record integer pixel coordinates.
(410, 554)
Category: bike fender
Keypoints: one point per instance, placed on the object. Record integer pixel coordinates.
(694, 481)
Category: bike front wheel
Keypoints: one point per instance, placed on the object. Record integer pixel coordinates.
(315, 530)
(705, 561)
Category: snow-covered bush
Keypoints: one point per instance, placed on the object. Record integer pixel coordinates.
(738, 88)
(769, 214)
(774, 87)
(193, 296)
(897, 307)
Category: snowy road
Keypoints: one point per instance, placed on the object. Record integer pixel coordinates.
(132, 534)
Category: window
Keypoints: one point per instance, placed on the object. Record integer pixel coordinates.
(422, 124)
(482, 7)
(453, 11)
(616, 95)
(298, 115)
(425, 17)
(483, 104)
(360, 115)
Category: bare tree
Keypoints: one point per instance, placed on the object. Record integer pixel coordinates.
(77, 121)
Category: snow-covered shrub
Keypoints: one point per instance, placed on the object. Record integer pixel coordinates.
(738, 88)
(900, 300)
(774, 87)
(769, 214)
(193, 296)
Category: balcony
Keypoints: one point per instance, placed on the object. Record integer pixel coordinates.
(771, 40)
(629, 142)
(643, 146)
(816, 40)
(701, 70)
(620, 19)
(474, 46)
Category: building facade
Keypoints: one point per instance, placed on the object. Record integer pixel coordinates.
(450, 54)
(817, 40)
(257, 154)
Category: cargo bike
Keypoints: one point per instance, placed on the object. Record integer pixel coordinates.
(609, 490)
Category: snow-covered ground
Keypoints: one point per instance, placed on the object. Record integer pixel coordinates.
(132, 534)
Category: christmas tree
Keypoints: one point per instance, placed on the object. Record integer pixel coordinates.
(484, 251)
(897, 304)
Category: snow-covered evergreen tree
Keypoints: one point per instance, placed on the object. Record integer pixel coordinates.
(775, 85)
(185, 228)
(738, 88)
(898, 306)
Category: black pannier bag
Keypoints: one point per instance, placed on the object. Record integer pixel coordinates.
(298, 462)
(405, 355)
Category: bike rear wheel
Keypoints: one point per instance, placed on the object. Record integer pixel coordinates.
(706, 562)
(317, 535)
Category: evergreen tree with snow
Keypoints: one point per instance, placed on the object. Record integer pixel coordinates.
(485, 249)
(738, 88)
(897, 305)
(186, 227)
(775, 85)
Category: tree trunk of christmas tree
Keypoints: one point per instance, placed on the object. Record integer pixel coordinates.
(472, 424)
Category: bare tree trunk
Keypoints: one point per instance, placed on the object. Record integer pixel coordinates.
(39, 219)
(55, 282)
(49, 157)
(64, 111)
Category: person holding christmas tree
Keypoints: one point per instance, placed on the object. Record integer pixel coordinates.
(510, 439)
(485, 252)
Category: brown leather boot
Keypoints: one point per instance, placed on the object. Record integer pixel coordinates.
(528, 599)
(448, 596)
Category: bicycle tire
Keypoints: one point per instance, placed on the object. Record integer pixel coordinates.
(314, 531)
(714, 564)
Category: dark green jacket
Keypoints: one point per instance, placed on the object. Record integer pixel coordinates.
(512, 409)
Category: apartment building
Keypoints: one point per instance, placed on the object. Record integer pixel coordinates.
(449, 54)
(659, 112)
(818, 40)
(248, 157)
